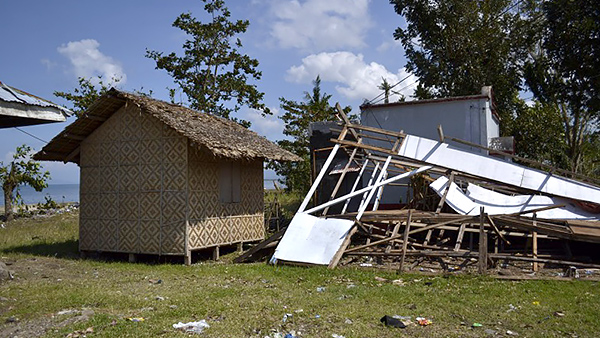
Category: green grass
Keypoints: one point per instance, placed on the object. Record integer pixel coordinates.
(250, 300)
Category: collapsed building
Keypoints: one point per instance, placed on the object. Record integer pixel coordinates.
(468, 203)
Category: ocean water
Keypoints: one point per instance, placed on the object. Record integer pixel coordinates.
(60, 193)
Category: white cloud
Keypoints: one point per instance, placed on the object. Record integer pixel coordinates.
(355, 78)
(88, 61)
(269, 126)
(320, 25)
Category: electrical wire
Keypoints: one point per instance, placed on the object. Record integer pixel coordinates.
(35, 137)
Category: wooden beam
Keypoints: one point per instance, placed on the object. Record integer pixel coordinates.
(376, 130)
(443, 200)
(338, 255)
(482, 263)
(493, 225)
(459, 237)
(534, 245)
(363, 146)
(458, 220)
(74, 137)
(95, 117)
(72, 154)
(341, 178)
(405, 241)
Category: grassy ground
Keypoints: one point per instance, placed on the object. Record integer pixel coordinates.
(251, 300)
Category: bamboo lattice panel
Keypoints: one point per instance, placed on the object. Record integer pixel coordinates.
(133, 186)
(141, 181)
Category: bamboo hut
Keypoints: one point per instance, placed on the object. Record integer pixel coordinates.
(159, 178)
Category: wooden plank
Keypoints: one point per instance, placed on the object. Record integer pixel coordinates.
(72, 154)
(376, 130)
(443, 199)
(546, 261)
(338, 255)
(482, 263)
(458, 220)
(275, 237)
(342, 176)
(363, 146)
(534, 245)
(394, 233)
(459, 237)
(493, 225)
(405, 241)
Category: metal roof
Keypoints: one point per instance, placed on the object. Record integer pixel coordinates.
(19, 108)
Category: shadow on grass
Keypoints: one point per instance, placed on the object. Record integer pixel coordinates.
(67, 249)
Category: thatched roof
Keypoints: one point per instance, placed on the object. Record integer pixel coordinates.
(222, 137)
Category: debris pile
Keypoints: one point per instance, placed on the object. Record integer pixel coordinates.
(463, 208)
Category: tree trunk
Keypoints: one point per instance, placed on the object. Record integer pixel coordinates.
(8, 207)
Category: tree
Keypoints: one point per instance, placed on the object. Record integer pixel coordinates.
(82, 98)
(455, 47)
(387, 88)
(212, 73)
(539, 135)
(297, 118)
(21, 170)
(565, 71)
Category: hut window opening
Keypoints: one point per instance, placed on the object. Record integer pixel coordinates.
(230, 183)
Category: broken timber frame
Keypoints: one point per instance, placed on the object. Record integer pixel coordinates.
(409, 226)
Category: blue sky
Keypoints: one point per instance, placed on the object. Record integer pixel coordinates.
(47, 45)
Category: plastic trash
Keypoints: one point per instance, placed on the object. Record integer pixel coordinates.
(192, 327)
(286, 317)
(335, 335)
(423, 321)
(393, 322)
(320, 289)
(511, 333)
(477, 325)
(136, 319)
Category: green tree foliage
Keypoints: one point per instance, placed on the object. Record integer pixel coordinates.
(565, 72)
(540, 135)
(297, 117)
(455, 47)
(212, 73)
(21, 170)
(87, 93)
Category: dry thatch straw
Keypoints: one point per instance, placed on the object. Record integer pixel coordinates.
(222, 137)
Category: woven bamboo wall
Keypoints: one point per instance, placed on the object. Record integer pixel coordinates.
(214, 223)
(133, 186)
(141, 181)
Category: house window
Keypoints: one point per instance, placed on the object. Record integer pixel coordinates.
(230, 183)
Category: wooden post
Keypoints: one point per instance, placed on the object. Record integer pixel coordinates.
(216, 253)
(132, 258)
(394, 233)
(240, 246)
(459, 237)
(443, 199)
(534, 243)
(405, 241)
(482, 264)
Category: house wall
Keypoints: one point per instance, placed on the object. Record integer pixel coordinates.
(141, 183)
(133, 186)
(466, 119)
(214, 222)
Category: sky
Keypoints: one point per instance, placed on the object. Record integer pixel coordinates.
(47, 45)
